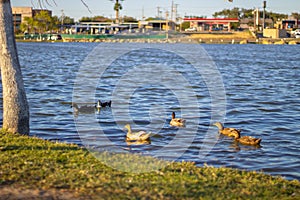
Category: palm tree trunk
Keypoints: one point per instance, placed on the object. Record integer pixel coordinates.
(117, 11)
(15, 106)
(117, 16)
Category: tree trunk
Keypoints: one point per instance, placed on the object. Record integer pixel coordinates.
(117, 9)
(15, 106)
(117, 16)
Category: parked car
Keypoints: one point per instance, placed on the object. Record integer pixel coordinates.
(295, 32)
(216, 29)
(54, 37)
(26, 36)
(191, 29)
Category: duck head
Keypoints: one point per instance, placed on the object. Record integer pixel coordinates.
(127, 126)
(98, 105)
(219, 125)
(173, 115)
(74, 105)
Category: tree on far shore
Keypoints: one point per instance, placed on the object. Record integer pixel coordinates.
(129, 19)
(228, 13)
(43, 22)
(95, 19)
(117, 8)
(28, 25)
(296, 15)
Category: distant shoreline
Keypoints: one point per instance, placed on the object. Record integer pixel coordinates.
(197, 38)
(290, 41)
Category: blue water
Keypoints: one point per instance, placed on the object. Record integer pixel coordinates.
(262, 98)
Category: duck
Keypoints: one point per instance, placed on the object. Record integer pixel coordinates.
(103, 104)
(137, 136)
(177, 121)
(226, 131)
(246, 140)
(83, 109)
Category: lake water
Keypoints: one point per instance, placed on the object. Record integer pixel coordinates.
(261, 96)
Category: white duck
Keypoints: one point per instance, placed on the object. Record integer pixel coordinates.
(141, 135)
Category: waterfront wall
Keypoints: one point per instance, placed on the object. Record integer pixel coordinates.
(275, 33)
(201, 38)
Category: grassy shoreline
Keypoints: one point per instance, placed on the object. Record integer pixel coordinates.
(41, 169)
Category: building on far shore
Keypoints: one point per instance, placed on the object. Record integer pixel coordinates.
(250, 24)
(289, 23)
(102, 27)
(157, 25)
(19, 14)
(111, 28)
(211, 24)
(282, 28)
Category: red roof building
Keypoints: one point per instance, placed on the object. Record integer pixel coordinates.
(211, 24)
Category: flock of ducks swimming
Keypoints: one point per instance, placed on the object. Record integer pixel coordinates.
(230, 132)
(179, 122)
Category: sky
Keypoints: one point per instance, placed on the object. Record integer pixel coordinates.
(148, 8)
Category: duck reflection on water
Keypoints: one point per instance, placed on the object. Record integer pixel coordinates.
(238, 147)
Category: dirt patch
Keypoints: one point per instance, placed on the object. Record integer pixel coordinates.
(10, 193)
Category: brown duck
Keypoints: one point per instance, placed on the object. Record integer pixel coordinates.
(82, 109)
(226, 131)
(247, 140)
(177, 121)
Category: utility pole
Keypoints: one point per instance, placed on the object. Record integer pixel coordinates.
(172, 10)
(167, 25)
(175, 11)
(158, 12)
(143, 14)
(256, 19)
(62, 20)
(264, 14)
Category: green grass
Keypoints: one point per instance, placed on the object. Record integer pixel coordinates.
(31, 163)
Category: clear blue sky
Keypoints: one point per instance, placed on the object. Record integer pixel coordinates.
(75, 9)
